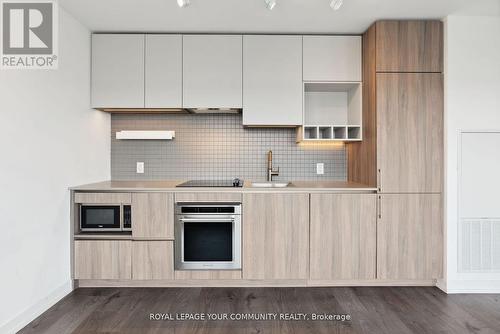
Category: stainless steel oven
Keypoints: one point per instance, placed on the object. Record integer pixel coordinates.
(105, 217)
(207, 236)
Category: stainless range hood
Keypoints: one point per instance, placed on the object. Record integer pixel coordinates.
(214, 110)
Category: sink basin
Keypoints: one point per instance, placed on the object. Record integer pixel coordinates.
(270, 184)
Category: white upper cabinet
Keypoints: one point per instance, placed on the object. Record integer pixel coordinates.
(163, 77)
(212, 67)
(117, 71)
(332, 58)
(272, 75)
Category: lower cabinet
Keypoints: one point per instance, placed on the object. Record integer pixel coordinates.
(103, 259)
(343, 236)
(275, 236)
(152, 260)
(153, 215)
(124, 259)
(410, 237)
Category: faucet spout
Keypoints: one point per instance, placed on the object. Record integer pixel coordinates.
(270, 170)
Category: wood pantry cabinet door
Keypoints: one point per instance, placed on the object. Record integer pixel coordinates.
(275, 236)
(153, 215)
(343, 236)
(410, 236)
(410, 132)
(409, 46)
(103, 259)
(152, 260)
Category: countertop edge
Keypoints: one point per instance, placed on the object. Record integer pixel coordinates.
(170, 186)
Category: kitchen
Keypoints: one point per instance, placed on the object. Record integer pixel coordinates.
(270, 166)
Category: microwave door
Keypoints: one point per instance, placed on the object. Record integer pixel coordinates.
(100, 218)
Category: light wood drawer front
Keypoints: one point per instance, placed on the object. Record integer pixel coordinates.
(207, 274)
(103, 259)
(152, 260)
(208, 197)
(103, 198)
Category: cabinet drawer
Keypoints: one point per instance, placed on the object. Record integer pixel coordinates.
(103, 198)
(103, 259)
(208, 197)
(207, 274)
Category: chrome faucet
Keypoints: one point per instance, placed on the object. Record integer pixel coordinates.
(270, 171)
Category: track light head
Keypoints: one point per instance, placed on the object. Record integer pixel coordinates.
(270, 4)
(336, 4)
(183, 3)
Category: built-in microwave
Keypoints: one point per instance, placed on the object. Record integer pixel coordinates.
(105, 218)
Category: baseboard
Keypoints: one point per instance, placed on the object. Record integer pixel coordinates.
(86, 283)
(36, 309)
(441, 284)
(473, 286)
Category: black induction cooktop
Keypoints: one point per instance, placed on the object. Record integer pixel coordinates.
(212, 183)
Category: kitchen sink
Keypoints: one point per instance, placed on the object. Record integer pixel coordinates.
(270, 184)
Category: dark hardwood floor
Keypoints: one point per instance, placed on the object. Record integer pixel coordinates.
(372, 310)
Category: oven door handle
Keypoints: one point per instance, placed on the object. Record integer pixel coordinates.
(206, 220)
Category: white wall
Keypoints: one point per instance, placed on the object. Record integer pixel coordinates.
(472, 102)
(50, 140)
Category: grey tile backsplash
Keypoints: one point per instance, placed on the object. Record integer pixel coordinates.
(217, 147)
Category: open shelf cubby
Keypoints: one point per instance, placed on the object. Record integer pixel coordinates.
(332, 112)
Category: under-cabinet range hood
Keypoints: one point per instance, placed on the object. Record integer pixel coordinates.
(214, 110)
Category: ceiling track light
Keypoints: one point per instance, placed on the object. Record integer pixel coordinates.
(336, 4)
(183, 3)
(270, 4)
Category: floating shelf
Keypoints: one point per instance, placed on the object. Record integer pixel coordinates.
(332, 112)
(145, 135)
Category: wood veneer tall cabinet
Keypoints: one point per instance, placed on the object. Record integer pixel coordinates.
(402, 149)
(275, 236)
(410, 132)
(410, 237)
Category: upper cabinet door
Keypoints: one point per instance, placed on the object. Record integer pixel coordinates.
(409, 46)
(272, 74)
(410, 132)
(212, 71)
(332, 58)
(163, 85)
(117, 71)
